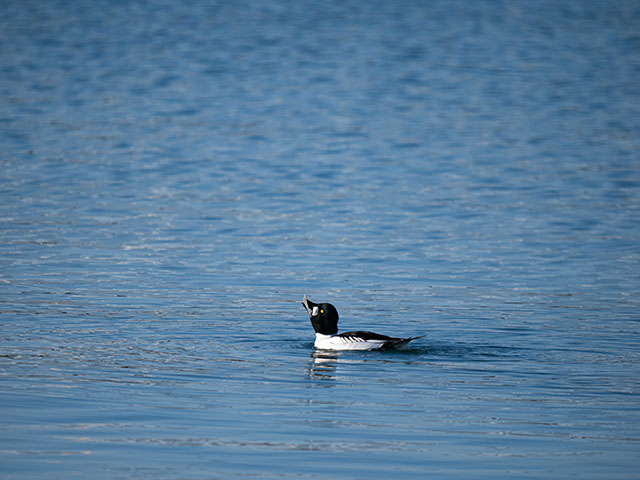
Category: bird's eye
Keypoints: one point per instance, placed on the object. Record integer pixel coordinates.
(321, 311)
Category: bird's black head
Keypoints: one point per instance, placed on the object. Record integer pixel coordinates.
(323, 316)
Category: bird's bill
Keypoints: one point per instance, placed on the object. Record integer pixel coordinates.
(308, 305)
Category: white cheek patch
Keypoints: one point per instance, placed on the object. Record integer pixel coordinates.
(314, 312)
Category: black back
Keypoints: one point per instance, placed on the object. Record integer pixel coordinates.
(366, 336)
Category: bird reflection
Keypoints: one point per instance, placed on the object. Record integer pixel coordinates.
(324, 365)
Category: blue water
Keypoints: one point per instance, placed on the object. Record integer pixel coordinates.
(176, 175)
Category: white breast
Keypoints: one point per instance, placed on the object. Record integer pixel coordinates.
(333, 342)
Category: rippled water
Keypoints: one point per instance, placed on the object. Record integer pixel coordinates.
(176, 175)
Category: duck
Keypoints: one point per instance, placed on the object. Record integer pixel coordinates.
(324, 319)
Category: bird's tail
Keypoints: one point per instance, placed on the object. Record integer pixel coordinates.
(397, 342)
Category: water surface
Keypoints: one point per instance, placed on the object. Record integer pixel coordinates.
(175, 176)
